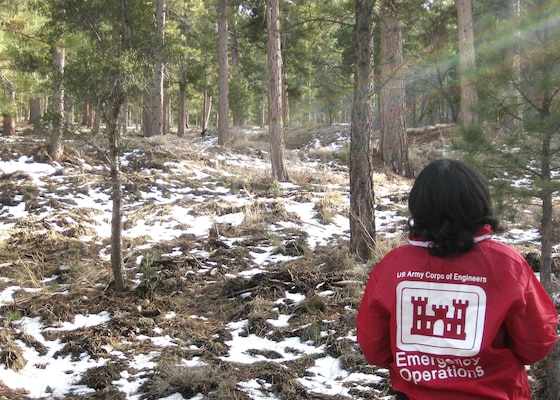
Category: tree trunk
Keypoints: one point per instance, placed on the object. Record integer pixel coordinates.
(552, 366)
(547, 220)
(68, 113)
(514, 116)
(91, 113)
(182, 121)
(182, 113)
(275, 125)
(8, 125)
(35, 111)
(112, 109)
(467, 62)
(55, 148)
(96, 121)
(147, 117)
(262, 115)
(236, 110)
(166, 122)
(393, 145)
(223, 73)
(117, 263)
(206, 108)
(362, 218)
(157, 116)
(552, 361)
(285, 97)
(85, 113)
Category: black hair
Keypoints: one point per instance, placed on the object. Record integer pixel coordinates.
(449, 202)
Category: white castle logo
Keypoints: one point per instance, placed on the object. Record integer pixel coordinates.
(440, 318)
(439, 324)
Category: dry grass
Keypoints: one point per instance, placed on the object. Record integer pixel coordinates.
(385, 245)
(257, 145)
(10, 353)
(171, 377)
(331, 204)
(29, 272)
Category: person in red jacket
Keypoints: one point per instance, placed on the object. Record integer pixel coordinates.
(454, 314)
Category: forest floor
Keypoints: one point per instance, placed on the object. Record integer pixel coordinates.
(239, 287)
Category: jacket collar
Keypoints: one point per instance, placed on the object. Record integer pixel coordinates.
(484, 233)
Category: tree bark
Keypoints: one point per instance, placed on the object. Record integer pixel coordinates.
(275, 124)
(117, 263)
(182, 121)
(547, 215)
(85, 112)
(362, 218)
(55, 147)
(182, 113)
(166, 122)
(393, 145)
(552, 361)
(223, 75)
(147, 121)
(514, 116)
(206, 108)
(467, 62)
(552, 366)
(285, 97)
(262, 114)
(235, 64)
(35, 111)
(8, 125)
(112, 109)
(157, 117)
(96, 119)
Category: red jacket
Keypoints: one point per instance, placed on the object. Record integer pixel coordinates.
(460, 327)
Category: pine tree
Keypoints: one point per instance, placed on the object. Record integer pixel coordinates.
(362, 217)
